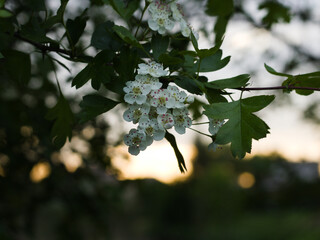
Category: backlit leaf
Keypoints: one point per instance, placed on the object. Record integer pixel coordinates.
(242, 125)
(93, 105)
(63, 119)
(172, 140)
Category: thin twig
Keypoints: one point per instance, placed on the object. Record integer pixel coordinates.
(277, 88)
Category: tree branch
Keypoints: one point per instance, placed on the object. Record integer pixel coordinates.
(43, 48)
(277, 88)
(67, 54)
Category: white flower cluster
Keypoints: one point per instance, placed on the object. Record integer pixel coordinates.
(164, 14)
(153, 108)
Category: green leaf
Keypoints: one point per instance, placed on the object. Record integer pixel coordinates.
(2, 3)
(124, 8)
(58, 18)
(4, 13)
(309, 80)
(104, 37)
(274, 72)
(159, 45)
(63, 119)
(194, 41)
(235, 82)
(215, 96)
(93, 105)
(210, 63)
(98, 70)
(219, 8)
(220, 27)
(33, 30)
(168, 60)
(276, 12)
(202, 53)
(125, 64)
(188, 84)
(126, 36)
(242, 125)
(75, 28)
(1, 56)
(18, 66)
(172, 140)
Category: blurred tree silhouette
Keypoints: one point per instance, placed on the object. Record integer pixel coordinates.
(91, 203)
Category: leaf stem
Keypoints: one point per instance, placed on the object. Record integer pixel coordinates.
(140, 20)
(200, 132)
(200, 123)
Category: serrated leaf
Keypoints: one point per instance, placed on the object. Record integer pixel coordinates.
(159, 45)
(98, 70)
(234, 82)
(202, 53)
(276, 12)
(210, 63)
(219, 8)
(220, 27)
(188, 84)
(63, 119)
(167, 60)
(223, 10)
(58, 18)
(125, 65)
(172, 140)
(242, 125)
(124, 8)
(274, 72)
(93, 105)
(309, 80)
(33, 30)
(126, 36)
(75, 28)
(105, 38)
(215, 96)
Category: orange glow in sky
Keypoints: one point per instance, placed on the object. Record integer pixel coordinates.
(158, 162)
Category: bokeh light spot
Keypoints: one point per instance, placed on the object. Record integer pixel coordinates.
(246, 180)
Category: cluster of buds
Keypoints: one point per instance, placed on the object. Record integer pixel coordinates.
(164, 14)
(153, 108)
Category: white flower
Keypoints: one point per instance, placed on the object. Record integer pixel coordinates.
(215, 125)
(181, 120)
(152, 68)
(136, 92)
(160, 17)
(176, 11)
(189, 99)
(166, 120)
(153, 82)
(185, 29)
(136, 141)
(179, 96)
(135, 112)
(151, 128)
(162, 100)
